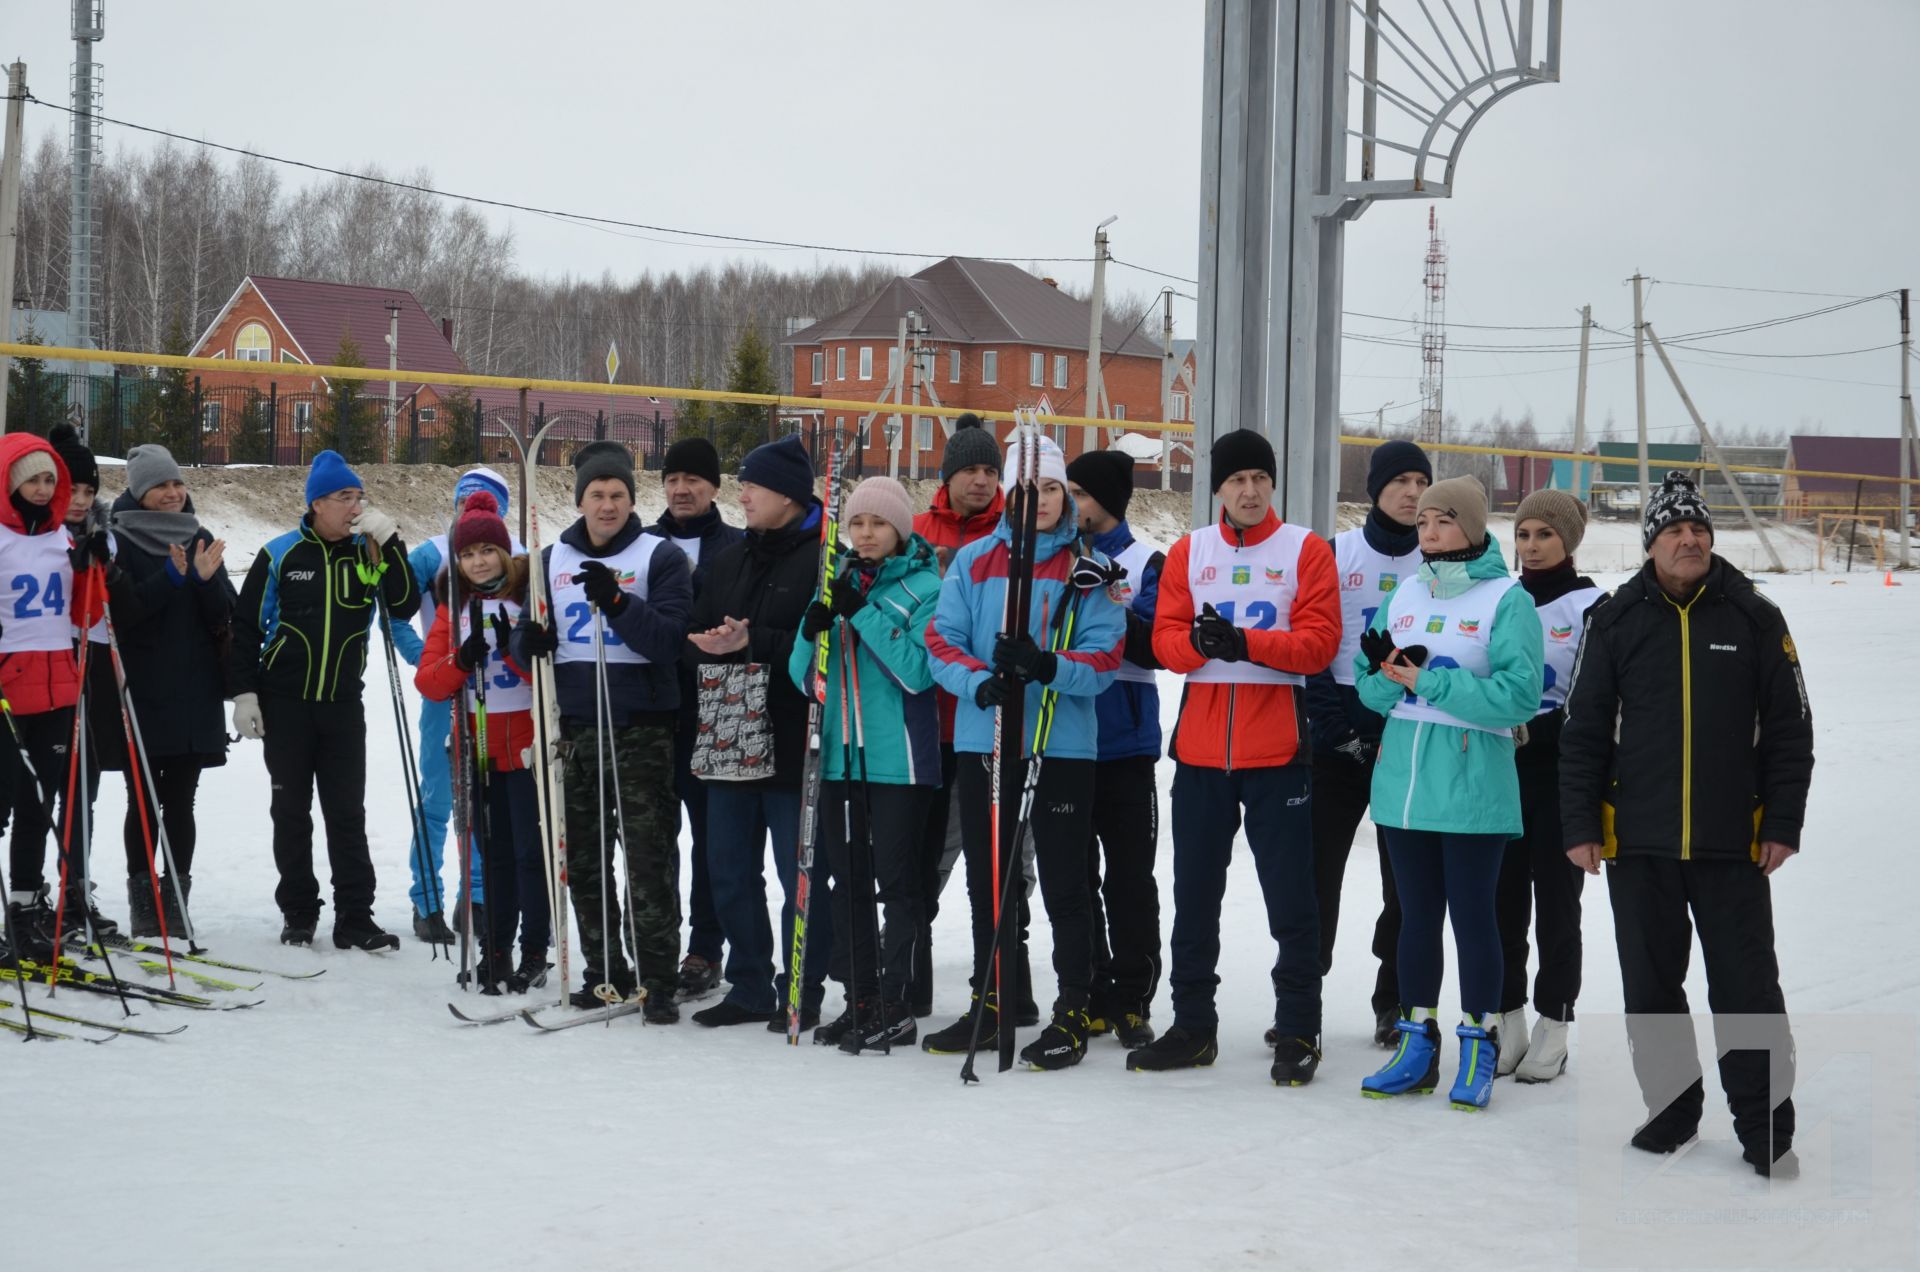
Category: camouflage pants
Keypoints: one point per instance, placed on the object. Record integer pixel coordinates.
(642, 757)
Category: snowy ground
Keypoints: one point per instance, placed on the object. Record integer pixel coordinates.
(349, 1121)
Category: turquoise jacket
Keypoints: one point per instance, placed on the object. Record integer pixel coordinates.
(1441, 777)
(898, 715)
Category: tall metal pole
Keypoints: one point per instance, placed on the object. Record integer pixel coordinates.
(1640, 386)
(89, 25)
(1580, 406)
(1167, 372)
(393, 386)
(1095, 389)
(10, 217)
(1906, 425)
(893, 391)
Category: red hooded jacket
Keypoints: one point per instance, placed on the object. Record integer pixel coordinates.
(948, 532)
(40, 680)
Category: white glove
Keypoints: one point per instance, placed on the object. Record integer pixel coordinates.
(247, 721)
(377, 526)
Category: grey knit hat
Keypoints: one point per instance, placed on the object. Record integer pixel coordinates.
(598, 460)
(149, 465)
(1564, 514)
(972, 443)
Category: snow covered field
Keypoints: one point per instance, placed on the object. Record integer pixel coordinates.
(350, 1122)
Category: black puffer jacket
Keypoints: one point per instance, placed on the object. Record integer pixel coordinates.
(1687, 730)
(768, 579)
(173, 634)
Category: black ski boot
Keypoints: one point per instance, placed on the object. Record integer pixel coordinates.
(854, 1019)
(1175, 1049)
(433, 929)
(531, 974)
(142, 918)
(1775, 1160)
(726, 1012)
(883, 1030)
(698, 978)
(1294, 1062)
(170, 904)
(1062, 1044)
(81, 912)
(32, 925)
(585, 995)
(1133, 1030)
(298, 930)
(490, 973)
(953, 1040)
(661, 1009)
(1386, 1026)
(809, 1017)
(1674, 1125)
(362, 934)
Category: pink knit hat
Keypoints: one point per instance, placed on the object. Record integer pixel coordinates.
(885, 498)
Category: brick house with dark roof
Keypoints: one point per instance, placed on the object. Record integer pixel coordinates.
(1873, 456)
(996, 338)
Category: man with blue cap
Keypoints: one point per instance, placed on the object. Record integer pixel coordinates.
(300, 637)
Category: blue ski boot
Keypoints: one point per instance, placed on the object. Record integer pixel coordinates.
(1479, 1058)
(1415, 1067)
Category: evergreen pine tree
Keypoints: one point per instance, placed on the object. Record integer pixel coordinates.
(741, 427)
(33, 393)
(347, 421)
(458, 444)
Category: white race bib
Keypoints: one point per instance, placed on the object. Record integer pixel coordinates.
(1456, 633)
(1560, 628)
(36, 592)
(573, 614)
(1367, 578)
(1251, 587)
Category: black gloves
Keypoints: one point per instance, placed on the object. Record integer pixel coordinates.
(993, 692)
(816, 620)
(849, 598)
(1379, 647)
(539, 640)
(1090, 575)
(502, 630)
(90, 551)
(473, 650)
(602, 588)
(1357, 749)
(1020, 658)
(1214, 637)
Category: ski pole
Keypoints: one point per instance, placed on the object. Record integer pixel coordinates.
(605, 991)
(14, 952)
(409, 760)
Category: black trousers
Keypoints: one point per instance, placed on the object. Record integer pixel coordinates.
(48, 736)
(1126, 904)
(882, 854)
(177, 780)
(1537, 882)
(1731, 902)
(1342, 791)
(1058, 831)
(319, 746)
(933, 846)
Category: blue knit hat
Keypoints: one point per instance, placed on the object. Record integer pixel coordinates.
(329, 474)
(782, 467)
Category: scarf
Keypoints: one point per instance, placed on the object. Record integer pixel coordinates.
(155, 532)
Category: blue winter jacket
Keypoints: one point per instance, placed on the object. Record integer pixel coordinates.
(1128, 711)
(973, 599)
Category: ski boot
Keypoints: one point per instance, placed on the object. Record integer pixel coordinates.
(1385, 1034)
(1415, 1067)
(298, 929)
(660, 1007)
(888, 1026)
(32, 925)
(1294, 1062)
(698, 978)
(1546, 1054)
(433, 929)
(727, 1012)
(587, 996)
(171, 903)
(1133, 1031)
(1062, 1044)
(1479, 1059)
(83, 920)
(1175, 1049)
(1513, 1041)
(143, 918)
(953, 1040)
(1673, 1126)
(809, 1017)
(852, 1020)
(1773, 1160)
(363, 934)
(531, 974)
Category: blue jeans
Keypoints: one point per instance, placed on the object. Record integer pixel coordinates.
(740, 818)
(704, 936)
(1279, 820)
(1435, 874)
(436, 806)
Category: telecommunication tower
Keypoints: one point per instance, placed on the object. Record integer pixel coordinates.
(1433, 335)
(89, 26)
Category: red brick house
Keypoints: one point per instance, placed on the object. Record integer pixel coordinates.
(996, 338)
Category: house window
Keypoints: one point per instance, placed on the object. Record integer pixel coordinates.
(1059, 370)
(893, 364)
(428, 414)
(922, 433)
(953, 367)
(302, 416)
(1036, 369)
(253, 344)
(1178, 409)
(1119, 410)
(288, 355)
(990, 366)
(210, 418)
(866, 362)
(840, 363)
(819, 367)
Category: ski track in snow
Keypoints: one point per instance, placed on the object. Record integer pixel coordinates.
(350, 1118)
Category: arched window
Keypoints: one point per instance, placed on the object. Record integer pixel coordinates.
(253, 344)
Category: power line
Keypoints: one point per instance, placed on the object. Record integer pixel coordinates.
(1770, 291)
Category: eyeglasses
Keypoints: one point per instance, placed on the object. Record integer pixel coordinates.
(345, 497)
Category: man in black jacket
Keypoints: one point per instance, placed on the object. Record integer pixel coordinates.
(620, 600)
(691, 475)
(755, 594)
(299, 655)
(1684, 763)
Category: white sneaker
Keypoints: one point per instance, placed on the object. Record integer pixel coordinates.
(1513, 1041)
(1547, 1055)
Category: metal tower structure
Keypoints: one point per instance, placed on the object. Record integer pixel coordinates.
(1433, 335)
(1282, 173)
(89, 26)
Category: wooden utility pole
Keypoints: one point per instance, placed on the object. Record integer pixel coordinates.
(10, 218)
(1580, 410)
(1640, 386)
(1095, 389)
(1908, 442)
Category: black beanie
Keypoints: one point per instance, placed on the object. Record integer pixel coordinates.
(81, 468)
(694, 456)
(972, 443)
(784, 467)
(1238, 451)
(1106, 475)
(1392, 459)
(597, 460)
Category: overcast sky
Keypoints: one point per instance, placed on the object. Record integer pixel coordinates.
(1743, 143)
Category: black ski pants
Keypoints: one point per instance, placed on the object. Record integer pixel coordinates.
(1731, 903)
(177, 780)
(934, 835)
(47, 736)
(1342, 791)
(1126, 904)
(319, 746)
(514, 865)
(1058, 830)
(876, 865)
(1538, 883)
